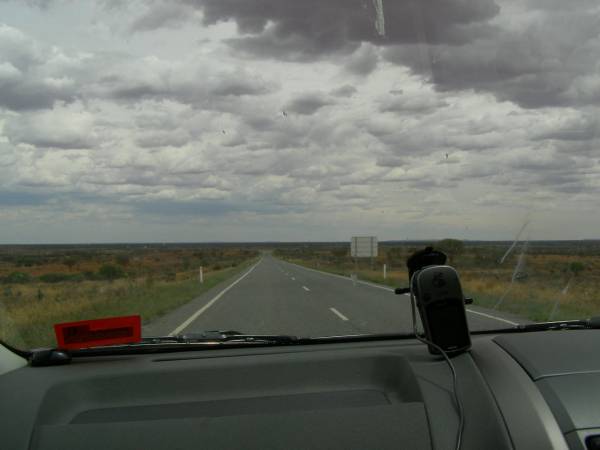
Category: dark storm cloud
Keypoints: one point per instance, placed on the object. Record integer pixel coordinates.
(21, 86)
(31, 95)
(352, 19)
(344, 91)
(237, 85)
(305, 30)
(579, 128)
(161, 15)
(166, 83)
(307, 104)
(535, 66)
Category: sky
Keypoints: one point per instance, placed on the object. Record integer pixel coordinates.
(280, 120)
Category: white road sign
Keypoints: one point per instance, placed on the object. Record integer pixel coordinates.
(363, 247)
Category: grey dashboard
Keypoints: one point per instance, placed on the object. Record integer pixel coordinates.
(381, 395)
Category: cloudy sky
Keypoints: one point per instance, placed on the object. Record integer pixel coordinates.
(254, 120)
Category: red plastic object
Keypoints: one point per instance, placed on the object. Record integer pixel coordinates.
(92, 333)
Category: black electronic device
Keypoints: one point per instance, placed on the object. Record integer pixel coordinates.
(441, 305)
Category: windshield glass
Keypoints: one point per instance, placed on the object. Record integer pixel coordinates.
(267, 166)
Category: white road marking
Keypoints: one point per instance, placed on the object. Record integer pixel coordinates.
(339, 314)
(345, 278)
(305, 288)
(194, 316)
(489, 316)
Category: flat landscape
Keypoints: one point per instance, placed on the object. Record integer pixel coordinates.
(268, 288)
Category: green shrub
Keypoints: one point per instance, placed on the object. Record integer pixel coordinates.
(17, 278)
(110, 272)
(123, 260)
(60, 277)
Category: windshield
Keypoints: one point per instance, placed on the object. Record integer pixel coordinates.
(267, 166)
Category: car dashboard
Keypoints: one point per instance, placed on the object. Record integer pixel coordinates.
(519, 390)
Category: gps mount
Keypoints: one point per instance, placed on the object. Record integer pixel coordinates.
(423, 258)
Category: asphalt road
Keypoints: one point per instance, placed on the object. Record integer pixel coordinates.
(276, 297)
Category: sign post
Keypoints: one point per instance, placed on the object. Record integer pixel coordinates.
(363, 247)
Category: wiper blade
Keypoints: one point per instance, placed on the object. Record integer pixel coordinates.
(223, 336)
(591, 323)
(193, 341)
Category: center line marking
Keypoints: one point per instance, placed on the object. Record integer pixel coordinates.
(305, 288)
(339, 314)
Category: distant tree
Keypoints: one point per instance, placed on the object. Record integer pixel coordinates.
(69, 262)
(55, 277)
(340, 252)
(452, 247)
(110, 272)
(123, 260)
(17, 278)
(576, 268)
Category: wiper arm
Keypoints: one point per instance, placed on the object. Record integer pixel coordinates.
(223, 336)
(591, 323)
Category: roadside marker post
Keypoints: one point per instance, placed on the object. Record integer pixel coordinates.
(201, 275)
(384, 271)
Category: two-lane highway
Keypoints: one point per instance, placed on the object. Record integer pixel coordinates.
(276, 297)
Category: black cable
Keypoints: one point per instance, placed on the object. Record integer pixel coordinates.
(457, 402)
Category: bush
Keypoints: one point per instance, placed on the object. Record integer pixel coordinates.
(110, 272)
(69, 262)
(60, 277)
(123, 260)
(17, 278)
(170, 276)
(576, 267)
(452, 247)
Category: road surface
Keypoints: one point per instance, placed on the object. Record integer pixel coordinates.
(277, 297)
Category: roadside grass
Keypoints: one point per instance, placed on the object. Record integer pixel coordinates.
(27, 318)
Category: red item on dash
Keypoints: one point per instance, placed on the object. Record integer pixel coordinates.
(92, 333)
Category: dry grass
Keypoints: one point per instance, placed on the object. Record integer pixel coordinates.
(157, 285)
(28, 320)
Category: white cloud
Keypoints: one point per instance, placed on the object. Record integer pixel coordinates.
(301, 133)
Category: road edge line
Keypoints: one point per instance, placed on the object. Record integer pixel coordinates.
(489, 316)
(339, 314)
(385, 288)
(211, 302)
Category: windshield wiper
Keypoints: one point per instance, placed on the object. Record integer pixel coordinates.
(55, 356)
(579, 324)
(194, 341)
(223, 336)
